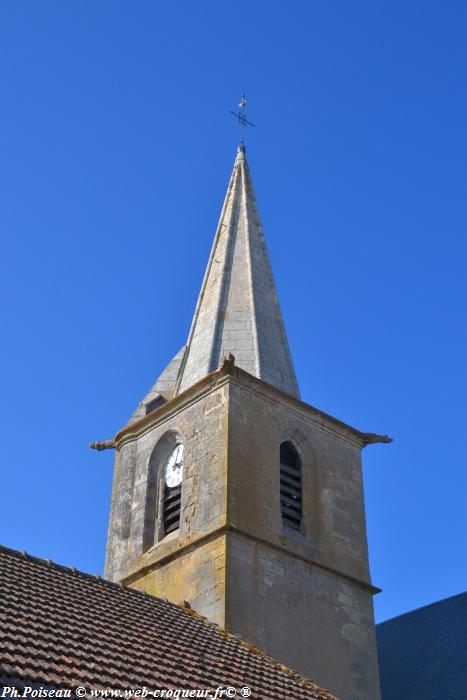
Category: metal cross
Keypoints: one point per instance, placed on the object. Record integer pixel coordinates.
(241, 114)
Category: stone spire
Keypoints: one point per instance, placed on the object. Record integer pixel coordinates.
(238, 310)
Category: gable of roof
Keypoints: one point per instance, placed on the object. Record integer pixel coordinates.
(423, 653)
(63, 629)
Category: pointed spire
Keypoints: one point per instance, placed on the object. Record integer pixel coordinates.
(238, 310)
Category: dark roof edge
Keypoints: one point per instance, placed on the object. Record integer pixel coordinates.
(422, 607)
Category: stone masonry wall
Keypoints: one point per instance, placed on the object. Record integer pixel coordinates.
(333, 510)
(202, 427)
(304, 597)
(196, 575)
(316, 622)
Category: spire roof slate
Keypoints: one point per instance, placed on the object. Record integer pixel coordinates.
(238, 310)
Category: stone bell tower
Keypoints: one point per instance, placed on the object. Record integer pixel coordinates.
(233, 494)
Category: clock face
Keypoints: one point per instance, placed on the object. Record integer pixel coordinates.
(173, 470)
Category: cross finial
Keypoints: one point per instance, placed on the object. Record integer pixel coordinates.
(241, 114)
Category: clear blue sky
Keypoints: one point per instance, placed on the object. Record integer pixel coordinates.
(116, 145)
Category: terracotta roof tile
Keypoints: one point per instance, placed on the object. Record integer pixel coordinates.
(62, 628)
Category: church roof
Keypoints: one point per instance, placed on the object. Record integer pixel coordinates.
(423, 654)
(62, 629)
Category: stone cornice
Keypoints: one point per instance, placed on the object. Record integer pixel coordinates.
(230, 372)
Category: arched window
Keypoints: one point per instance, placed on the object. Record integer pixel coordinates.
(291, 486)
(173, 475)
(164, 489)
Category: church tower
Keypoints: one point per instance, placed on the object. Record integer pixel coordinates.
(234, 495)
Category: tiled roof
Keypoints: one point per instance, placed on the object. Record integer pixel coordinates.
(62, 628)
(423, 654)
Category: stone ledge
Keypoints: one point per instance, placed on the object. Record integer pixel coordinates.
(146, 564)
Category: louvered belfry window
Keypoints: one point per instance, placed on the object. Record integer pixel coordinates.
(172, 499)
(291, 486)
(173, 475)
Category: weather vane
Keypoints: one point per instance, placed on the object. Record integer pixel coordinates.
(241, 115)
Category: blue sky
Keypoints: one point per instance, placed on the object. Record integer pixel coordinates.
(116, 147)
